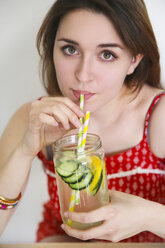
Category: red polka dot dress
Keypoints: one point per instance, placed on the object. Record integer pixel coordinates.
(137, 171)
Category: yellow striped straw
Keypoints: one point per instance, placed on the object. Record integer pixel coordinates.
(75, 196)
(71, 206)
(86, 122)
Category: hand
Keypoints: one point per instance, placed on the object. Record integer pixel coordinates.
(123, 217)
(49, 119)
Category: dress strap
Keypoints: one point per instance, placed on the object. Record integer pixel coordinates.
(149, 113)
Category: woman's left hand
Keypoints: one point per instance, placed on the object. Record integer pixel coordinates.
(125, 216)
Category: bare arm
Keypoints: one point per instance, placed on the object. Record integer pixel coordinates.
(34, 126)
(14, 164)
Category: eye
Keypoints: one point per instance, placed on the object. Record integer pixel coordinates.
(69, 50)
(107, 55)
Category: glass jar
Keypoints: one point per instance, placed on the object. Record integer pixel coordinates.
(81, 176)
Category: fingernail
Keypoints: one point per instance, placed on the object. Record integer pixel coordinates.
(67, 127)
(81, 113)
(56, 124)
(77, 123)
(65, 215)
(62, 226)
(111, 214)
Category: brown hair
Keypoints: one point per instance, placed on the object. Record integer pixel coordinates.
(131, 21)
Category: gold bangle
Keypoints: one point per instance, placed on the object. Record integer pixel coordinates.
(8, 201)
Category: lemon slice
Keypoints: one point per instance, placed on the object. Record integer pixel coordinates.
(97, 170)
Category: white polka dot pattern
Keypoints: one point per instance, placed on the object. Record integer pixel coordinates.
(137, 171)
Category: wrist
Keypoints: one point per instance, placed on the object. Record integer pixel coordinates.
(22, 151)
(155, 218)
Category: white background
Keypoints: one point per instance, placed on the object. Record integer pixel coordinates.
(19, 83)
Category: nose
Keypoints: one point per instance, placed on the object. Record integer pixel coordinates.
(84, 69)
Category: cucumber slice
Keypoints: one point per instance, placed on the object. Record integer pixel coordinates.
(76, 176)
(67, 168)
(64, 160)
(85, 181)
(67, 155)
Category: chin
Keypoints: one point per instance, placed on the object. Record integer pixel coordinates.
(90, 108)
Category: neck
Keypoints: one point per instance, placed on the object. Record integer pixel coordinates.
(113, 110)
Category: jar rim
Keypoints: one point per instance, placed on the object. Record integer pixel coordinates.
(70, 143)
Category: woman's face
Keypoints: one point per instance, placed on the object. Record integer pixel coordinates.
(90, 58)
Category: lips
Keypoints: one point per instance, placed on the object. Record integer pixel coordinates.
(87, 95)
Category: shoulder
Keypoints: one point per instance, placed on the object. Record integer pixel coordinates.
(157, 128)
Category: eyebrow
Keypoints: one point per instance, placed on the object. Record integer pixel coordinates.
(69, 41)
(103, 45)
(115, 45)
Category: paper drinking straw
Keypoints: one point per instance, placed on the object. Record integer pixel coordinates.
(74, 199)
(80, 133)
(86, 122)
(77, 199)
(81, 121)
(81, 148)
(71, 206)
(75, 196)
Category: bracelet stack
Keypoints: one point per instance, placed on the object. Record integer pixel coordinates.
(6, 203)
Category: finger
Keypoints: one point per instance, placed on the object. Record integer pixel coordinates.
(56, 113)
(47, 119)
(104, 237)
(103, 213)
(59, 107)
(90, 233)
(75, 108)
(63, 115)
(60, 114)
(72, 117)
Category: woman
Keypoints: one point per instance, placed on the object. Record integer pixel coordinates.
(107, 51)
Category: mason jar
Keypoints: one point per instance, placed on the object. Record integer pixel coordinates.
(81, 176)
